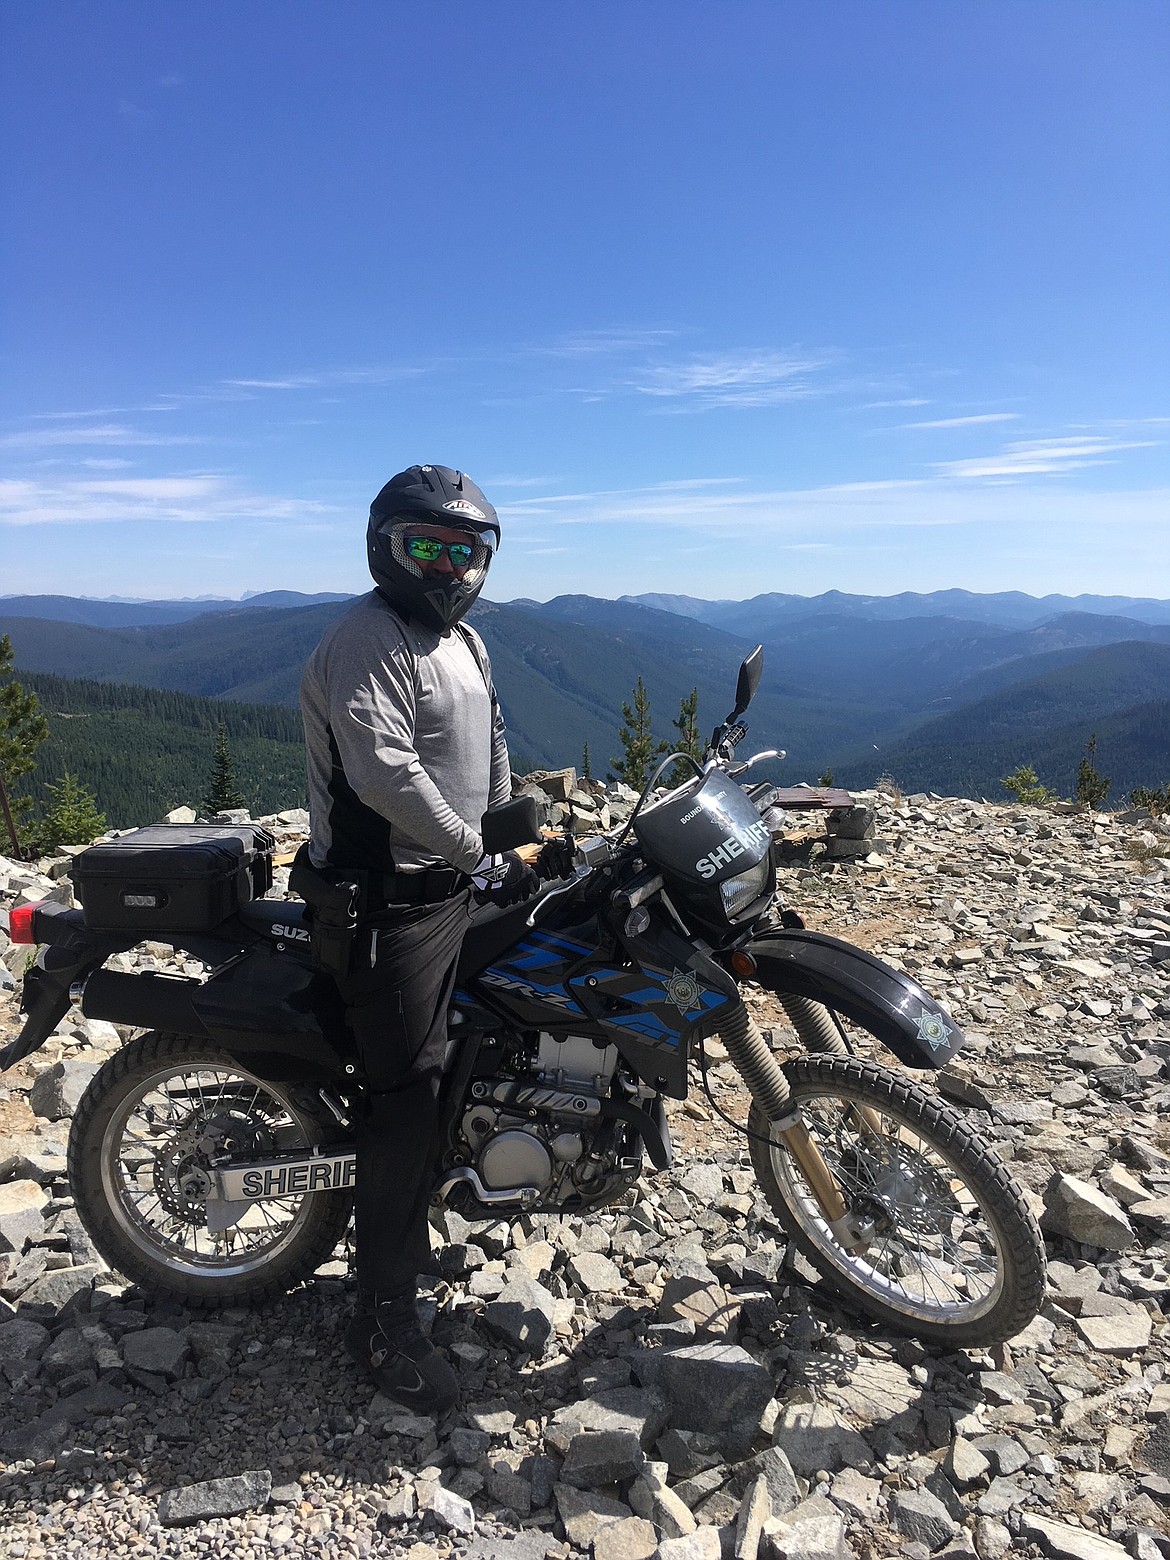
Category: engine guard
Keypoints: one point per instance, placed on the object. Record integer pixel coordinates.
(890, 1005)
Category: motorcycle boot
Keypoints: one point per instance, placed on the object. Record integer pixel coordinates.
(386, 1339)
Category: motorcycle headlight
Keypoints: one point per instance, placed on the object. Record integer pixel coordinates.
(740, 890)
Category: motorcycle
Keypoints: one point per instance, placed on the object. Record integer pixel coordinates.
(211, 1157)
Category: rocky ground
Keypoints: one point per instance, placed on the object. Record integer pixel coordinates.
(666, 1379)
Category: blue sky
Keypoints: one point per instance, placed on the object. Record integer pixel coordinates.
(711, 298)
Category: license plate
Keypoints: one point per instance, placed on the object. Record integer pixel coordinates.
(334, 1172)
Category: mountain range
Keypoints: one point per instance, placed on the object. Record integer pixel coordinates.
(948, 691)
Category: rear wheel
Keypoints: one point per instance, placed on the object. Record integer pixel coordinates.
(939, 1242)
(138, 1157)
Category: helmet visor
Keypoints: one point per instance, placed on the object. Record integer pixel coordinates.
(417, 552)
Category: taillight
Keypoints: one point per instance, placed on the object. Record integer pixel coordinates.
(20, 923)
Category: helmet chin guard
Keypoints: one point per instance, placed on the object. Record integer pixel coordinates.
(439, 496)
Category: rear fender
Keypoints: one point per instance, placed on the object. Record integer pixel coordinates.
(847, 980)
(67, 953)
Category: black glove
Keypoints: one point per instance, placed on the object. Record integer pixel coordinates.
(556, 858)
(503, 880)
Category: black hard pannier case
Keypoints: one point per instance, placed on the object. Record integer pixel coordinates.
(173, 877)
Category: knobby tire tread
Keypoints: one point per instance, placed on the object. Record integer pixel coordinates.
(324, 1229)
(1021, 1244)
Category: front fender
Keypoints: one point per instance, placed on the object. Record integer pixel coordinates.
(890, 1005)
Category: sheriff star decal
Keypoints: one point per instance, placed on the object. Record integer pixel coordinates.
(932, 1029)
(683, 990)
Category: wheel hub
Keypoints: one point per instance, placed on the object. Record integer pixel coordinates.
(182, 1179)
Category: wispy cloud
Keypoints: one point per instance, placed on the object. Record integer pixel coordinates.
(965, 422)
(755, 378)
(174, 499)
(331, 378)
(909, 400)
(1051, 457)
(93, 433)
(805, 516)
(607, 341)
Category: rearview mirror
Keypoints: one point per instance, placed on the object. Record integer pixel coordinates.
(750, 673)
(511, 824)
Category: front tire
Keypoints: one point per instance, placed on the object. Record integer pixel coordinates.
(947, 1250)
(135, 1161)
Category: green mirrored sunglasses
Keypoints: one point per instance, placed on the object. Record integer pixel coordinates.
(426, 549)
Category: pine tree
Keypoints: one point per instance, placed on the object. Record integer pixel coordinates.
(22, 730)
(222, 795)
(1092, 788)
(638, 745)
(689, 741)
(72, 816)
(586, 772)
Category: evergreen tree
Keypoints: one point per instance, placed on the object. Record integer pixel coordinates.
(689, 741)
(586, 772)
(637, 743)
(22, 730)
(1025, 785)
(1092, 788)
(72, 816)
(222, 795)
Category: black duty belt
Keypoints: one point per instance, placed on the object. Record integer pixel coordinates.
(414, 888)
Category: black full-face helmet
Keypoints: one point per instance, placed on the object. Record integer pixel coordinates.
(430, 495)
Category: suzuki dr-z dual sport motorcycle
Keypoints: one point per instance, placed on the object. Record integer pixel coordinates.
(211, 1156)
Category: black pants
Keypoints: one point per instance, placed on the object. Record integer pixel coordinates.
(398, 1013)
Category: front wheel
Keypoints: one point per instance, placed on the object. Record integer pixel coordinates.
(938, 1240)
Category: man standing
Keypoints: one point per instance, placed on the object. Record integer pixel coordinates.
(406, 752)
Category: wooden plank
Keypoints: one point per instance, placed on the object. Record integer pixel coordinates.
(809, 798)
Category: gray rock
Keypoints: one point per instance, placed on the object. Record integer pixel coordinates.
(522, 1315)
(814, 1438)
(815, 1530)
(1069, 1543)
(965, 1464)
(640, 1409)
(856, 1494)
(57, 1091)
(525, 1545)
(21, 1216)
(749, 1527)
(783, 1491)
(509, 1488)
(652, 1498)
(630, 1538)
(66, 1355)
(158, 1350)
(583, 1512)
(215, 1498)
(595, 1274)
(21, 1339)
(455, 1513)
(923, 1518)
(702, 1544)
(599, 1457)
(710, 1386)
(59, 1287)
(992, 1539)
(1127, 1333)
(468, 1446)
(1082, 1212)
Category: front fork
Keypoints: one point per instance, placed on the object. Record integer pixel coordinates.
(768, 1086)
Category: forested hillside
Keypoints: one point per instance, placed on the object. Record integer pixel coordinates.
(143, 751)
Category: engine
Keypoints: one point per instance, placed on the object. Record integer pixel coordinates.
(538, 1136)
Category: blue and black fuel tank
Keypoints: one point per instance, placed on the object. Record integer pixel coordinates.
(892, 1006)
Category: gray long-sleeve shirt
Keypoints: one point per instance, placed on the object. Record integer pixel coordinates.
(405, 745)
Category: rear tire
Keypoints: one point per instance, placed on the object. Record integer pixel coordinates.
(955, 1257)
(133, 1143)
